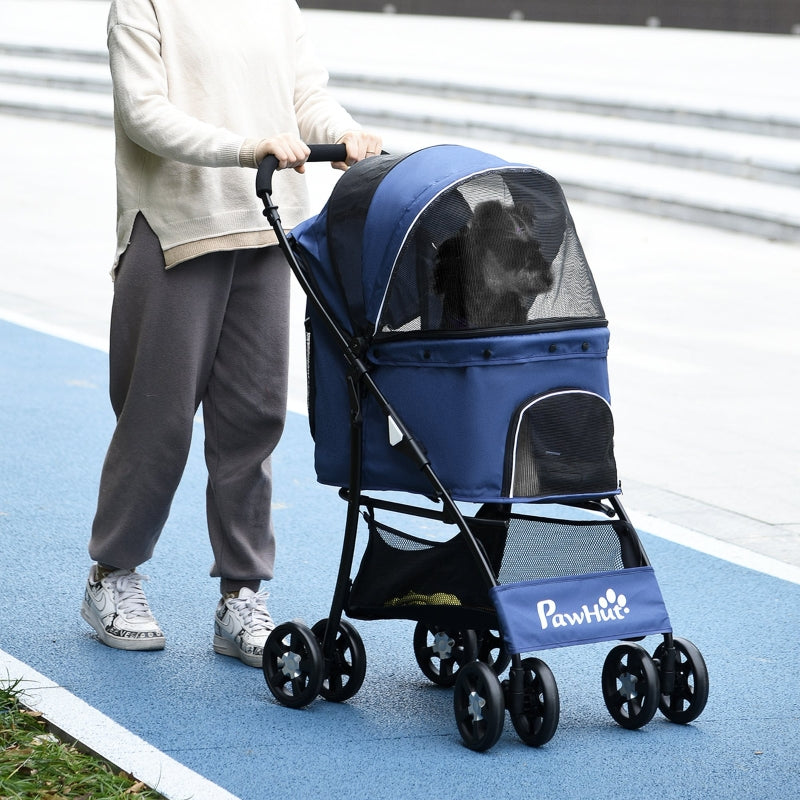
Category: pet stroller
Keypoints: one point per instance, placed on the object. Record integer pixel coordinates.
(457, 354)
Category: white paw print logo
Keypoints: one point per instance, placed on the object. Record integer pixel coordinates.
(618, 603)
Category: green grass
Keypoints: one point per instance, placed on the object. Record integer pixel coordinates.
(36, 765)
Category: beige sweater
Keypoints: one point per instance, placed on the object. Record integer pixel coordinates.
(197, 84)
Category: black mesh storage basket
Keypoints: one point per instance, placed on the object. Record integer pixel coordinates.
(407, 577)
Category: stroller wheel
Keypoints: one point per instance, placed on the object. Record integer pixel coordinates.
(630, 686)
(492, 651)
(479, 706)
(293, 665)
(537, 720)
(690, 693)
(345, 673)
(441, 653)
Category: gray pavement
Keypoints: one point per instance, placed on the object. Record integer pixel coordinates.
(705, 345)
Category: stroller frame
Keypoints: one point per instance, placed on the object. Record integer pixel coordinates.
(329, 659)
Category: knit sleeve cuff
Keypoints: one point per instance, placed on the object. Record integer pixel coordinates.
(247, 153)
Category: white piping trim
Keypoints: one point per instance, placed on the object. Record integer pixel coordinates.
(409, 228)
(522, 413)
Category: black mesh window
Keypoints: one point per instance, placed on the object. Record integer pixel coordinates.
(497, 250)
(562, 443)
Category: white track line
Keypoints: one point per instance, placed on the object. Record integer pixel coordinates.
(59, 331)
(104, 737)
(715, 547)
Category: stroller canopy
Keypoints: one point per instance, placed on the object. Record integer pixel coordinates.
(447, 238)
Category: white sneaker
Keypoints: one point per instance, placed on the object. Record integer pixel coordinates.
(242, 625)
(115, 606)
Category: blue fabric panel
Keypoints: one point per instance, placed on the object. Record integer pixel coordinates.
(457, 400)
(580, 609)
(309, 243)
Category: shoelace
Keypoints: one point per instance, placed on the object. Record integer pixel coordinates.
(131, 602)
(253, 610)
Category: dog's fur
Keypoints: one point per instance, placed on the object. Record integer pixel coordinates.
(492, 270)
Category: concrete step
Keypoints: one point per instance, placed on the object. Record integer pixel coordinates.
(746, 206)
(82, 76)
(771, 159)
(635, 103)
(665, 163)
(89, 108)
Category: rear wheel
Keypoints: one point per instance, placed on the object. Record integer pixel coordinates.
(492, 651)
(293, 665)
(345, 674)
(690, 692)
(441, 652)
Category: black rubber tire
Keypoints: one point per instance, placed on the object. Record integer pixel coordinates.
(293, 666)
(536, 724)
(492, 650)
(690, 694)
(345, 676)
(630, 686)
(441, 659)
(479, 706)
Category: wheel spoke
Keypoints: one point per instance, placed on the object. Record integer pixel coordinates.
(630, 685)
(293, 665)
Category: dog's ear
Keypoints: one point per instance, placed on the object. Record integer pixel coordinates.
(489, 218)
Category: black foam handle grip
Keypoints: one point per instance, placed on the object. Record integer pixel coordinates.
(319, 152)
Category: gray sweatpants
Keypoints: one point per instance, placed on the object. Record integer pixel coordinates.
(215, 331)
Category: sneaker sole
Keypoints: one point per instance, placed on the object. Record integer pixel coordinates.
(118, 642)
(225, 647)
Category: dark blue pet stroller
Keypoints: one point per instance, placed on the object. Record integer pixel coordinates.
(457, 353)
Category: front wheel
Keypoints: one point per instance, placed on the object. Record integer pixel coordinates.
(630, 686)
(537, 720)
(690, 693)
(479, 706)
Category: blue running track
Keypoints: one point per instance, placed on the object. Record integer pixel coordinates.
(396, 738)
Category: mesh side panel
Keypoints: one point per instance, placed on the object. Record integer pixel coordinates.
(400, 541)
(539, 548)
(562, 444)
(497, 250)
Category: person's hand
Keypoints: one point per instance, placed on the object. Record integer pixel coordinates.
(360, 145)
(290, 151)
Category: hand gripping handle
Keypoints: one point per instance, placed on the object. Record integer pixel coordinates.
(319, 152)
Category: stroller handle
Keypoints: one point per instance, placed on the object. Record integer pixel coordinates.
(319, 152)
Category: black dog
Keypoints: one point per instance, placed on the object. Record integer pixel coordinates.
(492, 270)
